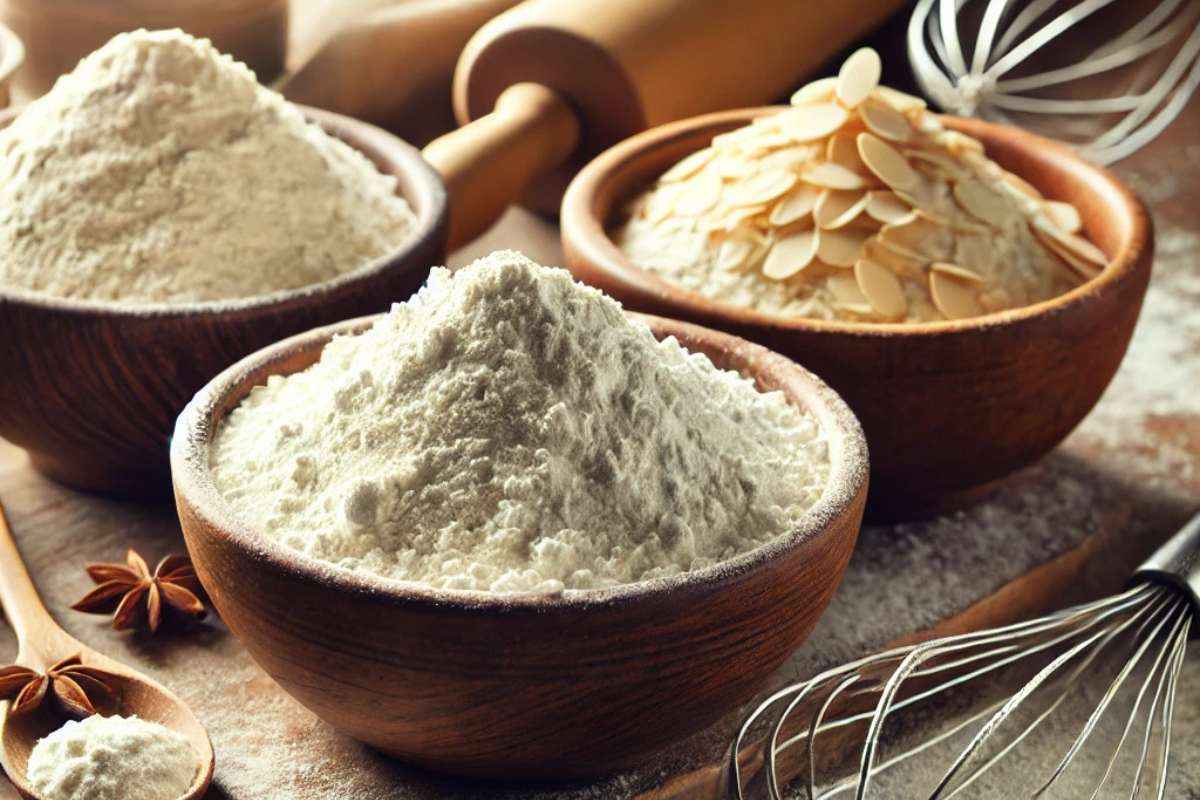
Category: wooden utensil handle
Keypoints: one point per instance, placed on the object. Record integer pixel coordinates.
(18, 596)
(488, 163)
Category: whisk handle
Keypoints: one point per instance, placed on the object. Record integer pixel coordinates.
(1177, 563)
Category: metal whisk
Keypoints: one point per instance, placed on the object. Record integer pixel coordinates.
(844, 710)
(1104, 75)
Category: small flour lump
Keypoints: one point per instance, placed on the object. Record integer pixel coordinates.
(112, 758)
(509, 429)
(159, 170)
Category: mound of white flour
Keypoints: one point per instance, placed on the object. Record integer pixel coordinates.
(509, 429)
(160, 170)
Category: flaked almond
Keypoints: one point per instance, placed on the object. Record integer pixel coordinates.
(791, 254)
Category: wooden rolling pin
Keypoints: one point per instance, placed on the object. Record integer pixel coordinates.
(548, 84)
(389, 62)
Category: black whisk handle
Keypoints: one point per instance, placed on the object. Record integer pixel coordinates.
(1177, 563)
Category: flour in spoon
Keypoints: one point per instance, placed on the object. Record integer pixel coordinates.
(159, 170)
(112, 758)
(509, 429)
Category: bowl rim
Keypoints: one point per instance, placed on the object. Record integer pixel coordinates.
(12, 52)
(586, 237)
(845, 487)
(426, 195)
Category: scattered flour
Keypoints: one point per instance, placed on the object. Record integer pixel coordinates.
(112, 758)
(161, 171)
(509, 429)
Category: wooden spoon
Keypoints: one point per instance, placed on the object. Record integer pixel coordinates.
(40, 643)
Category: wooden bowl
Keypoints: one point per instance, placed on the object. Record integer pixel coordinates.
(91, 389)
(520, 686)
(59, 33)
(12, 54)
(948, 407)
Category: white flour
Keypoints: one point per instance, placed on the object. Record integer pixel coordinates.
(509, 429)
(160, 170)
(112, 758)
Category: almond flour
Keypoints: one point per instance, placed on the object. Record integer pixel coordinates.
(112, 758)
(161, 171)
(855, 204)
(509, 429)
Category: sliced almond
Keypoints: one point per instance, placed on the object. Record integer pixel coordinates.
(844, 287)
(904, 103)
(885, 162)
(761, 188)
(861, 309)
(955, 271)
(733, 253)
(1064, 215)
(841, 248)
(805, 123)
(945, 164)
(1023, 186)
(1076, 245)
(828, 175)
(886, 206)
(732, 218)
(995, 300)
(790, 158)
(908, 264)
(881, 287)
(858, 76)
(796, 205)
(700, 194)
(689, 166)
(842, 150)
(836, 208)
(1080, 267)
(956, 299)
(920, 235)
(819, 90)
(661, 203)
(885, 121)
(957, 143)
(980, 201)
(734, 168)
(791, 254)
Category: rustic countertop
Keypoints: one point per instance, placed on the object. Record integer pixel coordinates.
(1120, 484)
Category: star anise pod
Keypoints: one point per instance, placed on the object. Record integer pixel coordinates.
(133, 595)
(74, 687)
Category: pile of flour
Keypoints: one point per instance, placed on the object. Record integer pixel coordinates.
(112, 758)
(161, 171)
(508, 429)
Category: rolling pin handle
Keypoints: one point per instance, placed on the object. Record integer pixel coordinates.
(489, 163)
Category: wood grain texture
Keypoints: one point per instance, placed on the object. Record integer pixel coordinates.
(373, 659)
(624, 65)
(92, 390)
(387, 62)
(950, 407)
(42, 643)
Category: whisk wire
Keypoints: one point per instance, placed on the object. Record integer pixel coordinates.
(1164, 654)
(1145, 614)
(1008, 38)
(1104, 636)
(1109, 694)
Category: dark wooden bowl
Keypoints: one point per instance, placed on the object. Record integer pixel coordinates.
(520, 686)
(948, 407)
(92, 389)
